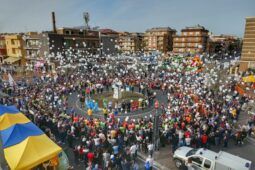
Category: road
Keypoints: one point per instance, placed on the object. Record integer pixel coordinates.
(75, 103)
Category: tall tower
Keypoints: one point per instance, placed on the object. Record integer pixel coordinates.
(54, 22)
(86, 19)
(248, 50)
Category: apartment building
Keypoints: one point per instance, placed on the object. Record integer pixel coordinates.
(192, 40)
(248, 49)
(159, 39)
(15, 49)
(33, 46)
(130, 42)
(224, 44)
(70, 42)
(109, 41)
(2, 48)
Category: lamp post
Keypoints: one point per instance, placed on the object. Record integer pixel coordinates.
(156, 127)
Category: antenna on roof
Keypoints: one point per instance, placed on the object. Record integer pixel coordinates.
(86, 19)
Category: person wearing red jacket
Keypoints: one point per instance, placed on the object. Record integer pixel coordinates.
(204, 139)
(90, 157)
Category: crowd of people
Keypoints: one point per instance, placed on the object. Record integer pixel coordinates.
(200, 111)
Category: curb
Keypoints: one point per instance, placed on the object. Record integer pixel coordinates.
(156, 165)
(250, 139)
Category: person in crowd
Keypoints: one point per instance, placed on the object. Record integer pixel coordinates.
(193, 114)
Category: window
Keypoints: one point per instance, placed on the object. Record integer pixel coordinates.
(184, 33)
(207, 164)
(191, 152)
(197, 160)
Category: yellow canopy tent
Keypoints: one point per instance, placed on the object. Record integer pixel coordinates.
(249, 79)
(31, 152)
(8, 120)
(25, 145)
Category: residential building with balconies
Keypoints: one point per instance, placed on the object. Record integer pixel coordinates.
(130, 42)
(192, 40)
(33, 46)
(15, 49)
(159, 39)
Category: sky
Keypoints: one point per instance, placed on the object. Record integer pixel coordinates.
(218, 16)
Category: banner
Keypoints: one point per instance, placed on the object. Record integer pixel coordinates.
(249, 79)
(239, 90)
(11, 80)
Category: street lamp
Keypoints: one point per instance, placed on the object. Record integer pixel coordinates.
(156, 127)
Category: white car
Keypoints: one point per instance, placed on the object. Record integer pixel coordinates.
(204, 159)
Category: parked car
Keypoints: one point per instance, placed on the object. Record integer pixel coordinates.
(204, 159)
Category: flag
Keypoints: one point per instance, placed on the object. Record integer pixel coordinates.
(105, 103)
(249, 79)
(239, 90)
(11, 80)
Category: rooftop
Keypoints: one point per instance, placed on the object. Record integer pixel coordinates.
(196, 27)
(156, 29)
(207, 153)
(108, 31)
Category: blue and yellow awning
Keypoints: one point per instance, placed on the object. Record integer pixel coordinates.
(25, 145)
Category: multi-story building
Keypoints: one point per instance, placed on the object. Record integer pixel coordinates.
(224, 44)
(130, 42)
(248, 48)
(109, 41)
(80, 39)
(15, 49)
(70, 42)
(2, 48)
(159, 39)
(192, 40)
(33, 46)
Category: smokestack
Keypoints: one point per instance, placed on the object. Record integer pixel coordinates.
(54, 22)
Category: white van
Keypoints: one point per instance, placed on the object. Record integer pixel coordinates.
(204, 159)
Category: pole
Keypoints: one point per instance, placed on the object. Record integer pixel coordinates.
(156, 131)
(156, 127)
(100, 42)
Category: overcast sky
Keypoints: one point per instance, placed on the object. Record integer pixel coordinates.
(219, 16)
